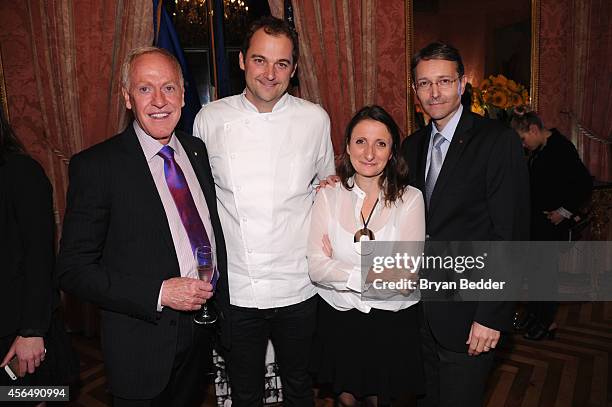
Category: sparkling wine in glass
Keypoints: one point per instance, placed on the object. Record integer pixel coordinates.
(205, 260)
(205, 272)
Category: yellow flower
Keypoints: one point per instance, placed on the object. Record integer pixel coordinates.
(499, 80)
(476, 108)
(476, 95)
(497, 97)
(513, 86)
(515, 100)
(487, 94)
(525, 96)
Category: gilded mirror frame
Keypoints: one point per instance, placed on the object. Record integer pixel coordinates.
(3, 98)
(534, 85)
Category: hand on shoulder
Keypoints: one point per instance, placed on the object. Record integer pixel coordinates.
(330, 181)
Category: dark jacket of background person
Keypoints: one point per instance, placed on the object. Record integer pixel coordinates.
(27, 297)
(30, 326)
(558, 179)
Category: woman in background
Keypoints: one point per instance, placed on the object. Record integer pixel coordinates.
(28, 298)
(367, 350)
(559, 184)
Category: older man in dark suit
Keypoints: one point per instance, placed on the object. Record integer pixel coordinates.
(474, 179)
(138, 205)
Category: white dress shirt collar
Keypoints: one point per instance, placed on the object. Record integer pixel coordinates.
(449, 130)
(361, 195)
(359, 192)
(248, 106)
(150, 146)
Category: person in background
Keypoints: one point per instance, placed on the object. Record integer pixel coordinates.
(474, 179)
(466, 98)
(267, 150)
(560, 184)
(31, 331)
(367, 350)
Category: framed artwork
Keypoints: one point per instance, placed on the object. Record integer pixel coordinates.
(273, 390)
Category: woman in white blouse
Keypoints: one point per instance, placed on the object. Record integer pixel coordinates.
(368, 350)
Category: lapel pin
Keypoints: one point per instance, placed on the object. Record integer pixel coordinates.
(195, 153)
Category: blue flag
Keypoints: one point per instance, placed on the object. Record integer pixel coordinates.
(167, 38)
(223, 80)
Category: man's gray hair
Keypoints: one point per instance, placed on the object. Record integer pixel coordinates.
(136, 52)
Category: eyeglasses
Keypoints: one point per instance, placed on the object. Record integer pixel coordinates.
(444, 83)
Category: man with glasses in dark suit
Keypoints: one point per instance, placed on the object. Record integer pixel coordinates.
(474, 179)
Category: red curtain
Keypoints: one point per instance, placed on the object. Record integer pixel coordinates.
(594, 85)
(352, 53)
(61, 63)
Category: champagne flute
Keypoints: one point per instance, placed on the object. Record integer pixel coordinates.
(205, 260)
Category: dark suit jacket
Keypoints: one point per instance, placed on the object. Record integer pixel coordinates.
(27, 237)
(116, 250)
(558, 178)
(481, 195)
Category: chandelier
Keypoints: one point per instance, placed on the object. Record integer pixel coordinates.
(233, 7)
(195, 11)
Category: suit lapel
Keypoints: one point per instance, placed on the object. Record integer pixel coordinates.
(143, 184)
(424, 149)
(460, 139)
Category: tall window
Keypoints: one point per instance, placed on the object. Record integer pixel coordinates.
(193, 21)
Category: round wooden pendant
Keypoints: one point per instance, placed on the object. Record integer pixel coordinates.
(363, 234)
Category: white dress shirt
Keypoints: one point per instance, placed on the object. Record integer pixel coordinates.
(337, 213)
(264, 166)
(447, 132)
(180, 239)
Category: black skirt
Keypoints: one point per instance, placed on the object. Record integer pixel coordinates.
(374, 354)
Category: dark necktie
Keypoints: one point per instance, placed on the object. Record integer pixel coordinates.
(435, 165)
(177, 184)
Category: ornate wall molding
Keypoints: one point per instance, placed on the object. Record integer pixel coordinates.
(410, 124)
(535, 55)
(3, 98)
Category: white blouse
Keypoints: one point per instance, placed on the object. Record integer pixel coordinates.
(336, 212)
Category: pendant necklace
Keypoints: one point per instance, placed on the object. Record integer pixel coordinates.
(365, 233)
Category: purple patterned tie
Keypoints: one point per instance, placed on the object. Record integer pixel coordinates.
(177, 184)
